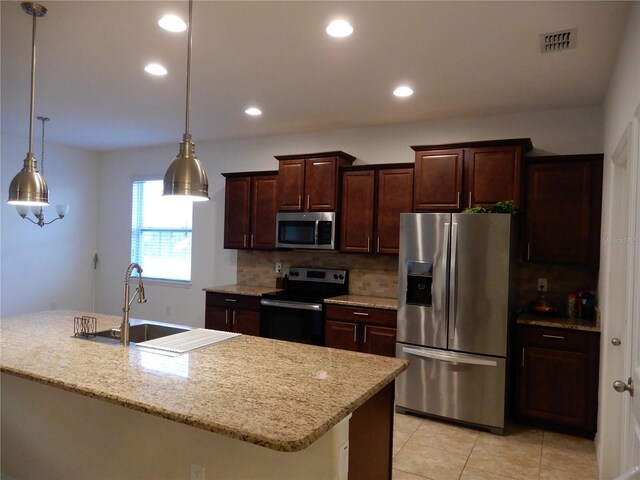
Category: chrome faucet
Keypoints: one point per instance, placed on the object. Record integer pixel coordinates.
(139, 294)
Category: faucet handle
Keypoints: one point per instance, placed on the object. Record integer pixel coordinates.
(141, 296)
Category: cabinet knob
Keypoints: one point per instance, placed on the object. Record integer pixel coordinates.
(621, 387)
(616, 342)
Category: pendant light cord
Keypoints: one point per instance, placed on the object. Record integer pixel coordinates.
(188, 102)
(33, 82)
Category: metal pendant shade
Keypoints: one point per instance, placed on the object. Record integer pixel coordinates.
(28, 187)
(185, 176)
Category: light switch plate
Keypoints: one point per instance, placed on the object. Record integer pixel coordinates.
(542, 282)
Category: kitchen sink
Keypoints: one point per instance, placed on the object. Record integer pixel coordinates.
(143, 332)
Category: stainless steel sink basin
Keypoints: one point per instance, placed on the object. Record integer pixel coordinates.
(143, 332)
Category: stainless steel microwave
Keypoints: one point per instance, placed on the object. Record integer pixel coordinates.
(314, 230)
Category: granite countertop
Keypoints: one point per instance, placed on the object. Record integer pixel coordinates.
(364, 301)
(241, 290)
(559, 322)
(276, 394)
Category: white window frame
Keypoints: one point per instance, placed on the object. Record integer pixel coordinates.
(160, 280)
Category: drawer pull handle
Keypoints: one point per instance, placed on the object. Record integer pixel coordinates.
(230, 300)
(554, 336)
(362, 314)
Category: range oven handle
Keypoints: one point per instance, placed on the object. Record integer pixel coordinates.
(316, 307)
(449, 357)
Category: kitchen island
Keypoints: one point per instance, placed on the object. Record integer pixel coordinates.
(245, 408)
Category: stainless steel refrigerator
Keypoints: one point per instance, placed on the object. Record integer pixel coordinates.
(454, 310)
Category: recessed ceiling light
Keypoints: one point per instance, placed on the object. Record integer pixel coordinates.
(339, 28)
(155, 69)
(253, 111)
(403, 91)
(172, 23)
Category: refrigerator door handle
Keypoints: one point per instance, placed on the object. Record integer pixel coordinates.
(449, 357)
(445, 259)
(452, 281)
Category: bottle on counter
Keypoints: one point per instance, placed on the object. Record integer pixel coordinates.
(587, 306)
(572, 305)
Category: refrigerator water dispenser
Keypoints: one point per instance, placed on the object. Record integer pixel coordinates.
(419, 283)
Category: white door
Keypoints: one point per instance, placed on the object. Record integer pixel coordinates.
(619, 416)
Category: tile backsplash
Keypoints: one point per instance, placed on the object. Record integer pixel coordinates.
(374, 275)
(377, 275)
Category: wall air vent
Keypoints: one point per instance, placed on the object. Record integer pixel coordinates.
(556, 41)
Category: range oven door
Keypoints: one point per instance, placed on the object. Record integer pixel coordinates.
(293, 321)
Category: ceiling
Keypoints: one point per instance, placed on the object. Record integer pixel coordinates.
(460, 58)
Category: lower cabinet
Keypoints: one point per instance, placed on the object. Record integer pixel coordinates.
(233, 313)
(368, 330)
(557, 381)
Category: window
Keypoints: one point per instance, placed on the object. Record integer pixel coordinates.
(160, 232)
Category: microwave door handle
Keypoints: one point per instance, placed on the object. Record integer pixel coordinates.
(452, 282)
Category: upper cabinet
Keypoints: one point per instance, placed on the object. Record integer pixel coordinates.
(310, 182)
(250, 210)
(373, 197)
(564, 201)
(450, 178)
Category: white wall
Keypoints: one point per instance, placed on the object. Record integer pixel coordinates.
(49, 267)
(622, 100)
(567, 131)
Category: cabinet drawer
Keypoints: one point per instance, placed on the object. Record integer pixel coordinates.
(246, 302)
(554, 338)
(373, 316)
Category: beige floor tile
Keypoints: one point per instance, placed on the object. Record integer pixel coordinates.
(506, 462)
(556, 474)
(470, 473)
(400, 437)
(406, 423)
(520, 440)
(400, 475)
(428, 462)
(445, 437)
(569, 441)
(573, 461)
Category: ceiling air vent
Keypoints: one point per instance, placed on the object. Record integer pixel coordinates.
(556, 41)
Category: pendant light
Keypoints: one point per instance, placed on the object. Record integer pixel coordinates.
(28, 187)
(38, 212)
(185, 176)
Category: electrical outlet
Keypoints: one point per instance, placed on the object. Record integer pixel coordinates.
(278, 267)
(542, 284)
(197, 472)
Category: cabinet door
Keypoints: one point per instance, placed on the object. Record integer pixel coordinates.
(395, 196)
(217, 318)
(357, 211)
(263, 212)
(246, 322)
(291, 185)
(553, 385)
(237, 208)
(559, 207)
(438, 181)
(494, 174)
(320, 184)
(379, 340)
(341, 335)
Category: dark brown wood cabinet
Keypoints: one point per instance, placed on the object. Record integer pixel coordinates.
(372, 199)
(250, 210)
(557, 381)
(310, 182)
(450, 178)
(564, 202)
(369, 330)
(232, 313)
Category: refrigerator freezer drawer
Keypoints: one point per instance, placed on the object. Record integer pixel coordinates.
(468, 388)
